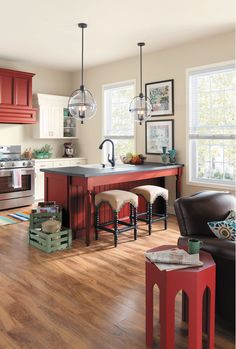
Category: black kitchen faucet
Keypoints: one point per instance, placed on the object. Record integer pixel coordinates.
(112, 159)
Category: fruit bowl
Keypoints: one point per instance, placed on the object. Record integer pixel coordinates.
(133, 159)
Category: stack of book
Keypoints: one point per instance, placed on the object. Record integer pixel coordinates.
(48, 206)
(174, 259)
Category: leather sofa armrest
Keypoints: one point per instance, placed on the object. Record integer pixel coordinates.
(194, 212)
(180, 219)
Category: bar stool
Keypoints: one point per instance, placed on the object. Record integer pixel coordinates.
(116, 199)
(150, 193)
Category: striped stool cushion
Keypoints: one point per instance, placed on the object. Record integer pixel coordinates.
(116, 199)
(151, 192)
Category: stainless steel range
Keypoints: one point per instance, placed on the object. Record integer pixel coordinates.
(16, 178)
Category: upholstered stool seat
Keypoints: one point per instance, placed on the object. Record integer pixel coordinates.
(150, 193)
(116, 199)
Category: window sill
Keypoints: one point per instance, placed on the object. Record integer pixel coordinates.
(211, 185)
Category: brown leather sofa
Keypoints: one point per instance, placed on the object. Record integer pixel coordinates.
(192, 214)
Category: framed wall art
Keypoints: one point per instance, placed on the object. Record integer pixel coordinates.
(161, 94)
(158, 134)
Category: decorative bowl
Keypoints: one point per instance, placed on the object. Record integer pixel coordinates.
(134, 160)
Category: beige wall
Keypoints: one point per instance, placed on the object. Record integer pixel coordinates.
(45, 81)
(162, 65)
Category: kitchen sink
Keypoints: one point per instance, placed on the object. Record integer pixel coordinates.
(118, 167)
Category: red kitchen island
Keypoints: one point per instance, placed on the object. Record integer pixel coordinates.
(74, 189)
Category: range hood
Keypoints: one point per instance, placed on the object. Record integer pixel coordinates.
(16, 97)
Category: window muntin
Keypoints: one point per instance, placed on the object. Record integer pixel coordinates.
(118, 122)
(212, 125)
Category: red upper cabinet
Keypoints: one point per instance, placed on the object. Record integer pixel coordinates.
(6, 88)
(16, 97)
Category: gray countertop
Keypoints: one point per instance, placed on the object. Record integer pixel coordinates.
(97, 170)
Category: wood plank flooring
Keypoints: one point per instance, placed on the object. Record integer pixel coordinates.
(83, 298)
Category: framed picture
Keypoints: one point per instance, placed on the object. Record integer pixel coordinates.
(158, 134)
(161, 94)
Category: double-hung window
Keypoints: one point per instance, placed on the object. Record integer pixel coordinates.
(118, 121)
(212, 125)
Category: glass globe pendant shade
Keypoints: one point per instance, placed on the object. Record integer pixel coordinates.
(140, 108)
(82, 105)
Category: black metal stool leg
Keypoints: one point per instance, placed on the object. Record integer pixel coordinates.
(96, 222)
(116, 231)
(147, 212)
(131, 213)
(166, 214)
(135, 222)
(149, 218)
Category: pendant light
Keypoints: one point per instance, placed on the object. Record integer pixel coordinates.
(82, 105)
(140, 106)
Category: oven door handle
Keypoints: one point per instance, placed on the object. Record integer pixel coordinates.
(24, 171)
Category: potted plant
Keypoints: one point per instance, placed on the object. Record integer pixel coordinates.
(43, 153)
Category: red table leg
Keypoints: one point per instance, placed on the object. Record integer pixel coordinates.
(149, 310)
(88, 205)
(195, 319)
(178, 182)
(167, 318)
(211, 312)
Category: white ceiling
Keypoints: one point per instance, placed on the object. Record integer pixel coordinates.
(45, 32)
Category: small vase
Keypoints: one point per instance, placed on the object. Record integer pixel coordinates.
(172, 156)
(164, 156)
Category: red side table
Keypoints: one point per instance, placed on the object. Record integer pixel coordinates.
(193, 282)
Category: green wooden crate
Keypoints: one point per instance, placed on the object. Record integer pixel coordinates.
(36, 219)
(50, 242)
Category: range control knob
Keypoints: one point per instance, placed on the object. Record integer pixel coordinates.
(13, 164)
(29, 163)
(1, 164)
(24, 163)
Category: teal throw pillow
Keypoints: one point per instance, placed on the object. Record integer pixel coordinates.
(224, 229)
(231, 215)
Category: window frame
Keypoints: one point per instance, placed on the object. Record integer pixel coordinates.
(104, 87)
(204, 183)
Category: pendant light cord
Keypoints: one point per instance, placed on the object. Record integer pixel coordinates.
(82, 59)
(141, 71)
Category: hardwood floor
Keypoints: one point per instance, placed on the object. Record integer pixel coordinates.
(83, 298)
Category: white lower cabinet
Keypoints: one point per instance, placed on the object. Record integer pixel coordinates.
(39, 176)
(61, 163)
(77, 162)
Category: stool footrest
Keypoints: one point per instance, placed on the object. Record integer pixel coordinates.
(121, 230)
(126, 223)
(103, 227)
(127, 227)
(160, 217)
